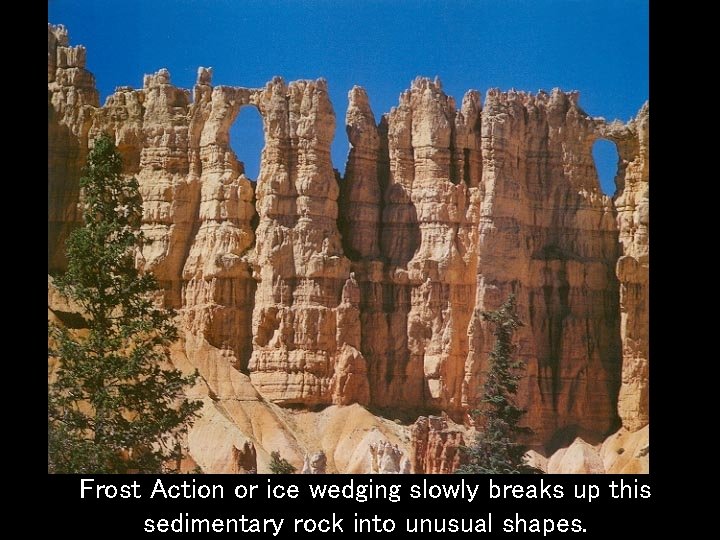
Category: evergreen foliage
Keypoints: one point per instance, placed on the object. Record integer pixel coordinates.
(279, 465)
(496, 449)
(115, 404)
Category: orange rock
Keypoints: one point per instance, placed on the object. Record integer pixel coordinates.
(305, 290)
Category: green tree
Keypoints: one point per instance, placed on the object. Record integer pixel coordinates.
(279, 465)
(496, 449)
(115, 404)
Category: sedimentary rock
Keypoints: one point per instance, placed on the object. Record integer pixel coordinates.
(412, 222)
(305, 322)
(305, 289)
(386, 458)
(217, 286)
(477, 204)
(556, 251)
(632, 205)
(245, 458)
(624, 452)
(627, 452)
(315, 464)
(579, 458)
(72, 102)
(537, 460)
(435, 446)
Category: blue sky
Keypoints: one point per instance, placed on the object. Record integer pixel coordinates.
(599, 47)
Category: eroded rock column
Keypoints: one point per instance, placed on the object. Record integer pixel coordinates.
(218, 289)
(412, 220)
(72, 101)
(300, 354)
(170, 194)
(632, 204)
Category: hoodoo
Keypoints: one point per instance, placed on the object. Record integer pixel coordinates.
(343, 313)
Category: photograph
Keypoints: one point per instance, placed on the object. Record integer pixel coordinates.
(348, 237)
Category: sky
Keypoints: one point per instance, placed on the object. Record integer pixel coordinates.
(598, 47)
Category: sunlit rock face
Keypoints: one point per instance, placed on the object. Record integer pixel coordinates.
(303, 289)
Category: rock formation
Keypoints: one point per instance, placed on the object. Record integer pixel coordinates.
(632, 207)
(436, 447)
(72, 102)
(305, 323)
(245, 458)
(625, 452)
(386, 458)
(301, 289)
(411, 201)
(315, 464)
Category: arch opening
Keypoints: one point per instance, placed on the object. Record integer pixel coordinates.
(247, 140)
(606, 158)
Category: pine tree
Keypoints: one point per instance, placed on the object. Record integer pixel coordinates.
(115, 404)
(496, 449)
(280, 465)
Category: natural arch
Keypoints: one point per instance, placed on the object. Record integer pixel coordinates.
(247, 140)
(606, 158)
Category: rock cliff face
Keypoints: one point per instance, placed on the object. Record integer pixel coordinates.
(412, 206)
(72, 102)
(306, 326)
(436, 446)
(632, 207)
(302, 289)
(550, 235)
